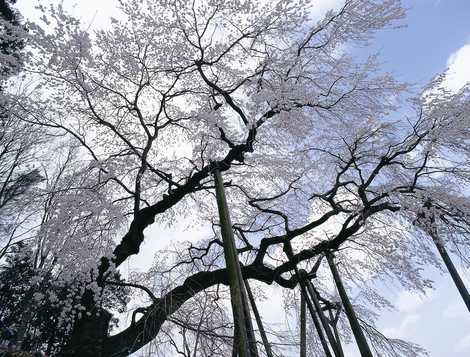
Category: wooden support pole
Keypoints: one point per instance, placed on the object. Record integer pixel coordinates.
(323, 319)
(316, 322)
(303, 327)
(249, 324)
(303, 290)
(334, 324)
(428, 224)
(235, 280)
(235, 342)
(259, 322)
(361, 341)
(452, 270)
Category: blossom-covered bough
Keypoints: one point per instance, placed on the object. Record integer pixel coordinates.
(312, 153)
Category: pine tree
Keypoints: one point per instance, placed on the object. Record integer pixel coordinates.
(10, 43)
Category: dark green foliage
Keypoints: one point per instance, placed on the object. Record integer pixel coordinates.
(10, 43)
(18, 185)
(19, 310)
(37, 321)
(18, 139)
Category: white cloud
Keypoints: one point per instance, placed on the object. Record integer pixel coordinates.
(458, 72)
(403, 329)
(319, 8)
(463, 344)
(271, 307)
(408, 301)
(456, 311)
(408, 304)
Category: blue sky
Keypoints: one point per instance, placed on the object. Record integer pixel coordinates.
(434, 30)
(437, 35)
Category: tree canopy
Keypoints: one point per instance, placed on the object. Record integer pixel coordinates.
(320, 152)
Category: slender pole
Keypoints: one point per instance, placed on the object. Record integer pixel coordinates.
(317, 324)
(348, 308)
(235, 343)
(233, 270)
(452, 270)
(323, 319)
(249, 324)
(431, 229)
(259, 322)
(303, 327)
(303, 290)
(334, 322)
(314, 317)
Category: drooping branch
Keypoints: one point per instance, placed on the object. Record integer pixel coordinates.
(148, 326)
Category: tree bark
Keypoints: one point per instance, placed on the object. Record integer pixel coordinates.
(89, 335)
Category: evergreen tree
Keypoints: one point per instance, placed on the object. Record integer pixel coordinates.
(18, 139)
(10, 43)
(31, 302)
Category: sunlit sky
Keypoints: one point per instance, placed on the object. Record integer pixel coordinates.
(436, 38)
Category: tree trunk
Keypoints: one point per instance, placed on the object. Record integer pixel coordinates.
(235, 343)
(348, 308)
(22, 328)
(88, 335)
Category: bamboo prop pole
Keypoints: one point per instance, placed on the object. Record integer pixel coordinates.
(428, 224)
(303, 327)
(323, 319)
(235, 343)
(348, 308)
(452, 270)
(259, 322)
(311, 308)
(317, 324)
(239, 308)
(334, 324)
(249, 324)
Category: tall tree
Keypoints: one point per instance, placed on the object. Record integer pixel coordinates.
(19, 141)
(311, 149)
(32, 304)
(10, 42)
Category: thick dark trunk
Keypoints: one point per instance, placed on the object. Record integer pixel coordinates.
(89, 332)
